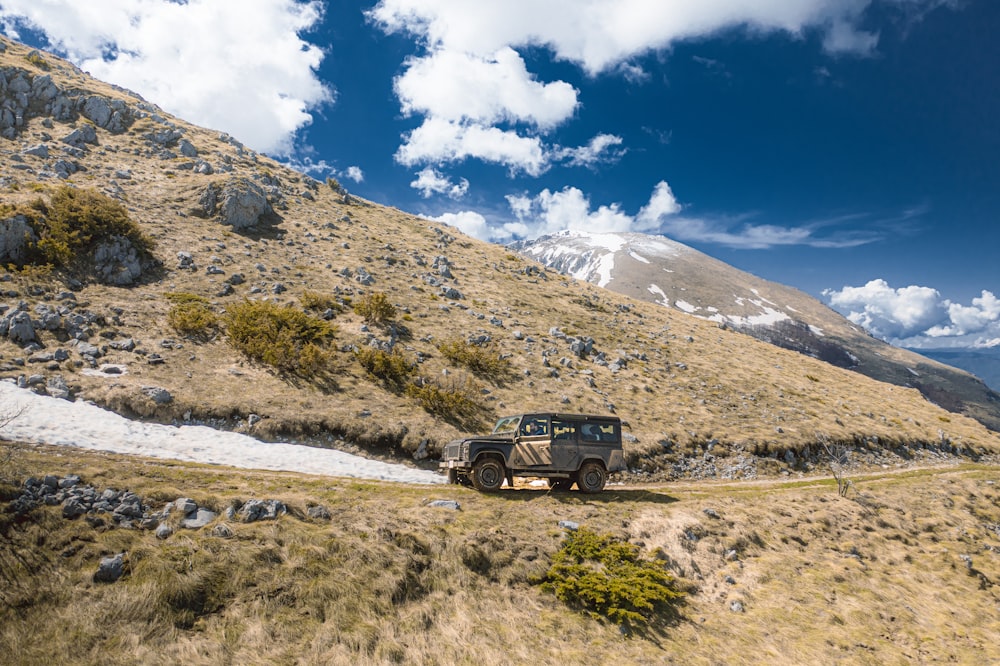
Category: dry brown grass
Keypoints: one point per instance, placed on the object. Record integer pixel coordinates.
(877, 578)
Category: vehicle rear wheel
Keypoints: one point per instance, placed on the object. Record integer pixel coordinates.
(488, 475)
(560, 484)
(591, 477)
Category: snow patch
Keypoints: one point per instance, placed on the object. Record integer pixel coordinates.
(685, 307)
(656, 291)
(635, 256)
(47, 420)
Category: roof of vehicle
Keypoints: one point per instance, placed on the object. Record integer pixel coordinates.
(567, 417)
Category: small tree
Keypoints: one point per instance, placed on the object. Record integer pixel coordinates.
(838, 458)
(375, 308)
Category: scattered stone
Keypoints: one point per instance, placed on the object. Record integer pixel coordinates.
(110, 569)
(569, 525)
(445, 504)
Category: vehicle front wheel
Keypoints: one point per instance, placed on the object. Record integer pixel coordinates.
(488, 475)
(591, 477)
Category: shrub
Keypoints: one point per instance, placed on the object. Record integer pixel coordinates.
(36, 59)
(483, 360)
(458, 403)
(606, 577)
(73, 219)
(283, 337)
(391, 368)
(314, 300)
(191, 314)
(375, 308)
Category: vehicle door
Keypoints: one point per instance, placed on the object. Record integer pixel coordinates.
(533, 447)
(565, 444)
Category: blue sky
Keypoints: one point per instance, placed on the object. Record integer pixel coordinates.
(850, 148)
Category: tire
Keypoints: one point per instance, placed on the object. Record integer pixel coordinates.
(488, 475)
(560, 484)
(591, 477)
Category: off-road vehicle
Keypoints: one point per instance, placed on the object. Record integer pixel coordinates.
(564, 448)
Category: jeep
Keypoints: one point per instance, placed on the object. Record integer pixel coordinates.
(564, 448)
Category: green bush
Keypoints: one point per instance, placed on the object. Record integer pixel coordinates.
(483, 360)
(391, 368)
(283, 337)
(458, 403)
(375, 308)
(606, 577)
(73, 219)
(191, 314)
(36, 59)
(314, 300)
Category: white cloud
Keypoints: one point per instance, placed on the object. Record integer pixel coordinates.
(439, 140)
(462, 87)
(354, 173)
(916, 316)
(468, 222)
(430, 181)
(238, 67)
(601, 34)
(472, 77)
(600, 149)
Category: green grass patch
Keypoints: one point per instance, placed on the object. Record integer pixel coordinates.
(191, 315)
(375, 308)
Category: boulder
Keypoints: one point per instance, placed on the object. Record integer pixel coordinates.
(117, 261)
(16, 236)
(240, 203)
(110, 569)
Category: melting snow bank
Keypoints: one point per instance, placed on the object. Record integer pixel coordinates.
(47, 420)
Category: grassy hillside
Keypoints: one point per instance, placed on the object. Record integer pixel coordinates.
(903, 570)
(474, 331)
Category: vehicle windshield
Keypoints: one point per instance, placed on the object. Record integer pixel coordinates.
(506, 424)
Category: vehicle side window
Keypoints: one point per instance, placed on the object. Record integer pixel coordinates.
(600, 432)
(563, 430)
(535, 427)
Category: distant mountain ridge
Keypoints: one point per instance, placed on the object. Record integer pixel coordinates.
(983, 363)
(671, 274)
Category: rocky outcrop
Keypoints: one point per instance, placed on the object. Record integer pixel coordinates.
(16, 236)
(24, 95)
(239, 203)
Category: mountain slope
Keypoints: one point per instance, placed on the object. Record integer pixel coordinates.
(662, 271)
(983, 363)
(476, 331)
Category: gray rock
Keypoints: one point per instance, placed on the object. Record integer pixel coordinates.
(187, 148)
(160, 396)
(256, 509)
(201, 518)
(16, 235)
(185, 505)
(569, 525)
(164, 531)
(318, 513)
(110, 569)
(445, 504)
(41, 150)
(117, 261)
(80, 136)
(240, 203)
(20, 329)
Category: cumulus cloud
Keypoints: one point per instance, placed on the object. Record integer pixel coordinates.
(354, 173)
(239, 67)
(472, 79)
(918, 316)
(430, 182)
(468, 222)
(460, 87)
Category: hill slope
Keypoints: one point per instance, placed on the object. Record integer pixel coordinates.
(357, 572)
(477, 331)
(659, 270)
